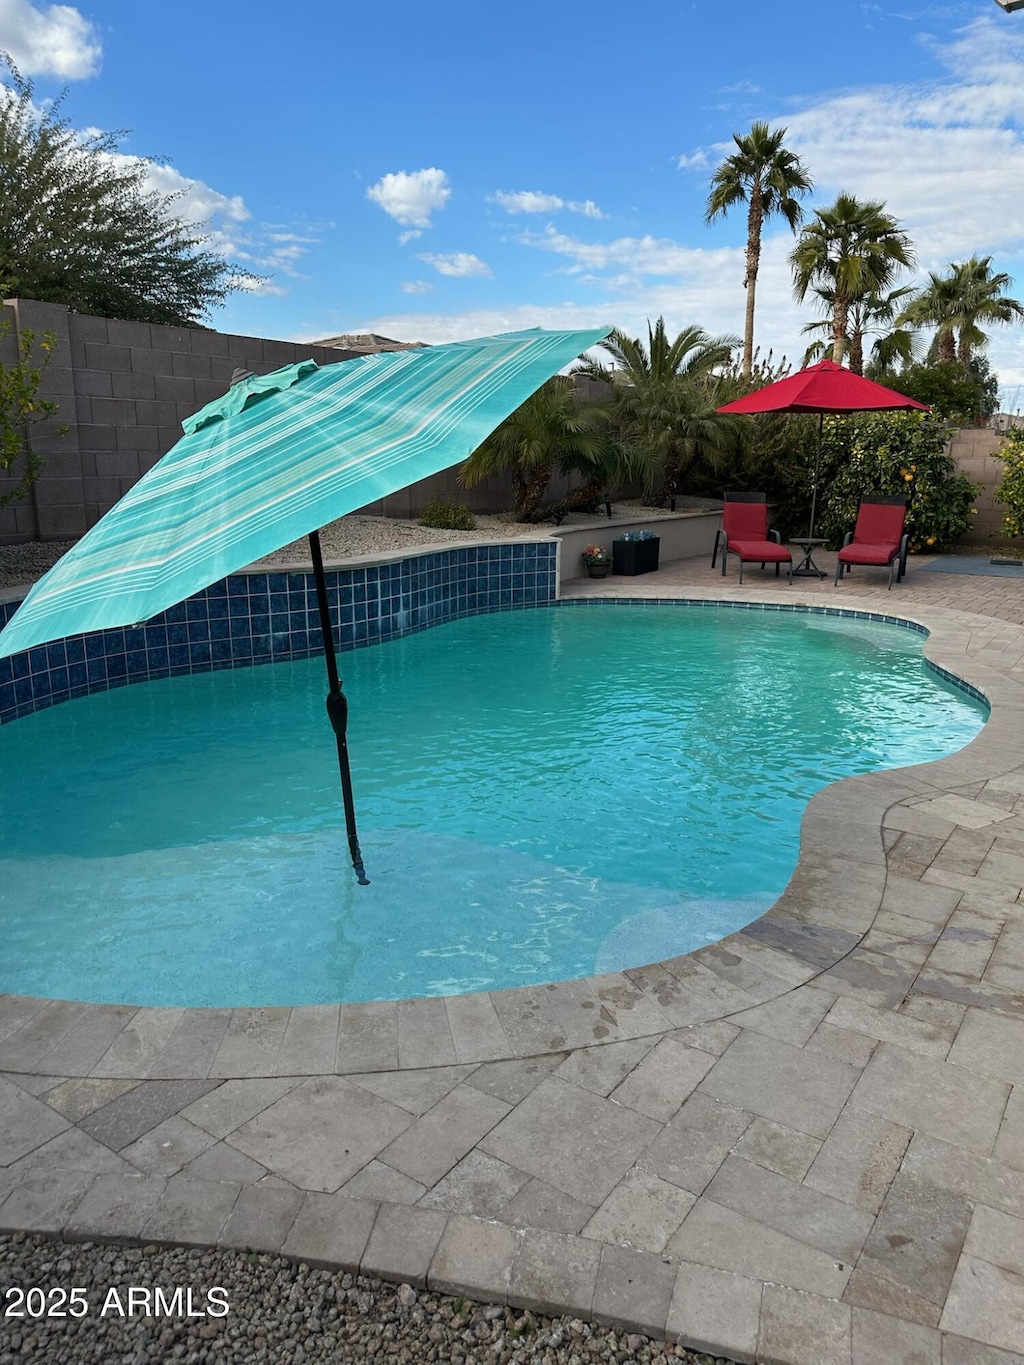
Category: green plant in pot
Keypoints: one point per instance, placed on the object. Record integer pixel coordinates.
(598, 561)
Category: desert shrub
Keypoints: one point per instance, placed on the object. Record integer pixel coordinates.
(447, 516)
(1010, 490)
(889, 453)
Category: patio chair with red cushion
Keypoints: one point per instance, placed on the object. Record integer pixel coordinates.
(744, 533)
(878, 538)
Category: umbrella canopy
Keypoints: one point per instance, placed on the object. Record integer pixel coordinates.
(825, 387)
(278, 456)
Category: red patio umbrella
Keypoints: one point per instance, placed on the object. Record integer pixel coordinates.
(823, 388)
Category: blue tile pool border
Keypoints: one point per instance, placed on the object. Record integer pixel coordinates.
(270, 617)
(255, 618)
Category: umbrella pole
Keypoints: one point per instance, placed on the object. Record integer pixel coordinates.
(814, 486)
(337, 707)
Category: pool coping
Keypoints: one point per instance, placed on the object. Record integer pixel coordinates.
(822, 917)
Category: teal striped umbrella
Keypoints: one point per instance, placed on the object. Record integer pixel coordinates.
(277, 457)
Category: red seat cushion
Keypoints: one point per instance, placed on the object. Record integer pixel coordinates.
(868, 554)
(880, 523)
(747, 520)
(766, 550)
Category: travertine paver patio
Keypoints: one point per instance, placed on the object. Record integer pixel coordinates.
(802, 1145)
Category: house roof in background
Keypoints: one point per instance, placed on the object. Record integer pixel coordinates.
(367, 343)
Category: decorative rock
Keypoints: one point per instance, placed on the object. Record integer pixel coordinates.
(283, 1311)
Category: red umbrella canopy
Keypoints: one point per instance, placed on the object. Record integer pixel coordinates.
(825, 387)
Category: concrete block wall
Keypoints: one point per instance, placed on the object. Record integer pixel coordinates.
(489, 495)
(122, 389)
(972, 449)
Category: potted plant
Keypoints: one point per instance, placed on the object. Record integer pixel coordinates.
(598, 561)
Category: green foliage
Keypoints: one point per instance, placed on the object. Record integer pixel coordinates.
(447, 516)
(962, 396)
(957, 303)
(662, 416)
(851, 250)
(893, 453)
(773, 451)
(78, 225)
(1010, 490)
(20, 405)
(552, 429)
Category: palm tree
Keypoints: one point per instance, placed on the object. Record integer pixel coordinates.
(982, 300)
(871, 314)
(957, 302)
(854, 249)
(664, 408)
(934, 305)
(767, 177)
(551, 428)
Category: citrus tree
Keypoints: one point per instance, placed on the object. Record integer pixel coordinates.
(1010, 490)
(892, 453)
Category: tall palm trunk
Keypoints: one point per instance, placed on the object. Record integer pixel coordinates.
(755, 218)
(579, 499)
(528, 489)
(840, 319)
(963, 350)
(857, 351)
(947, 347)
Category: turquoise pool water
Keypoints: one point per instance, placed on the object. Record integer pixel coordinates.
(541, 794)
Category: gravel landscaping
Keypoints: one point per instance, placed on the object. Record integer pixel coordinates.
(351, 535)
(281, 1313)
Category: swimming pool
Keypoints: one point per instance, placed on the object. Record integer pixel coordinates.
(542, 794)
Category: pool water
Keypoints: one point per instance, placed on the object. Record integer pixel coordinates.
(541, 794)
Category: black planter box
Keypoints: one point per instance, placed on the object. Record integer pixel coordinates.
(635, 556)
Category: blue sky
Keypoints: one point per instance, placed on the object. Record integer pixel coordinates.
(449, 170)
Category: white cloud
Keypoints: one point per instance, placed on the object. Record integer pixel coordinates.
(631, 258)
(49, 40)
(411, 197)
(196, 201)
(456, 264)
(259, 288)
(946, 156)
(416, 287)
(440, 327)
(533, 201)
(742, 88)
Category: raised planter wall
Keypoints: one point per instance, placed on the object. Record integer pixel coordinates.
(683, 535)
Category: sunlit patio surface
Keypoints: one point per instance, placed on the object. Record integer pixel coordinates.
(804, 1144)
